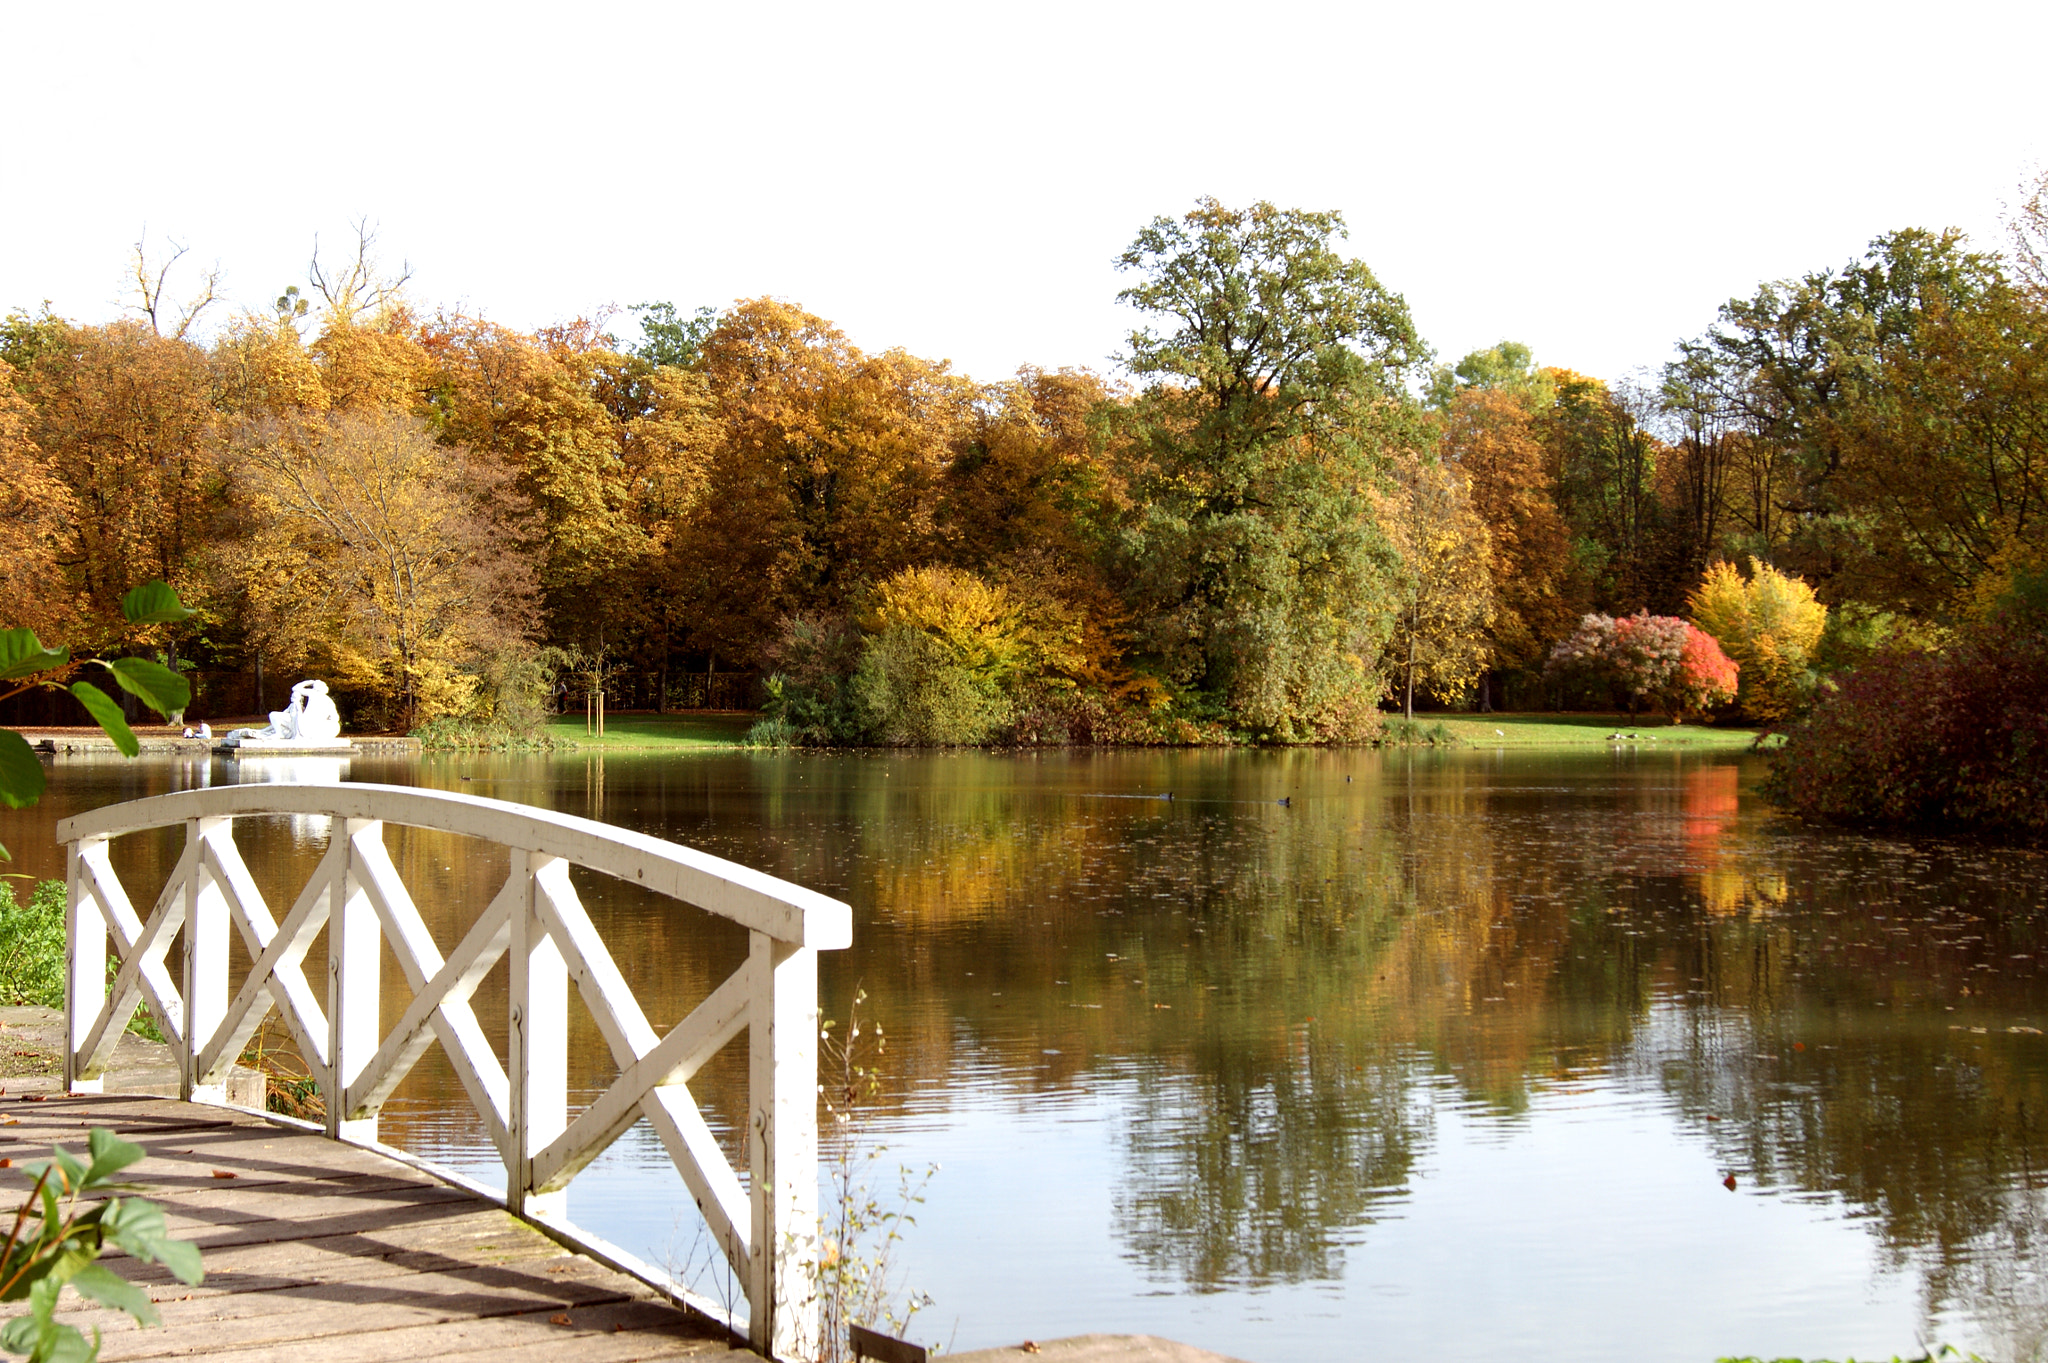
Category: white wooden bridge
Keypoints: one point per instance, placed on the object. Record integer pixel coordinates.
(766, 1223)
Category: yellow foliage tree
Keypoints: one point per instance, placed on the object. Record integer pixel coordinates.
(1769, 624)
(942, 647)
(1445, 594)
(376, 556)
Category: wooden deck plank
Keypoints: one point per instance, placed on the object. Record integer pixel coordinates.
(479, 1238)
(629, 1330)
(317, 1247)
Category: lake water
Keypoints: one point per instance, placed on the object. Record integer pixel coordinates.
(1447, 1056)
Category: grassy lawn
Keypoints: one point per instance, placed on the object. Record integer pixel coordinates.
(1551, 730)
(640, 732)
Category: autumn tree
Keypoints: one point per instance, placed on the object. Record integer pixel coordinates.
(1492, 430)
(1444, 594)
(1274, 375)
(1028, 500)
(1656, 660)
(608, 450)
(152, 279)
(1699, 469)
(377, 553)
(1770, 624)
(124, 420)
(825, 478)
(37, 511)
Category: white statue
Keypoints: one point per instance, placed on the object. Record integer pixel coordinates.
(310, 719)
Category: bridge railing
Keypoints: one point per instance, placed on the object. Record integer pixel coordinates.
(766, 1227)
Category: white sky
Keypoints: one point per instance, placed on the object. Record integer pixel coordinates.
(958, 179)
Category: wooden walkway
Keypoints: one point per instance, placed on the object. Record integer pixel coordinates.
(312, 1245)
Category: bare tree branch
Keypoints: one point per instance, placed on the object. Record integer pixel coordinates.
(152, 278)
(356, 286)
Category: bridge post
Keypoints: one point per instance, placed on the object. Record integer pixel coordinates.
(206, 961)
(782, 1149)
(540, 1044)
(85, 964)
(354, 960)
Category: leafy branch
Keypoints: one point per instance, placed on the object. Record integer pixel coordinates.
(53, 1243)
(27, 663)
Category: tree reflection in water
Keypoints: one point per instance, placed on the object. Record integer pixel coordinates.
(1284, 997)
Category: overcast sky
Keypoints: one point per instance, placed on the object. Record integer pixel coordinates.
(958, 179)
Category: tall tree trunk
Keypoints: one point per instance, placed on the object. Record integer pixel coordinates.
(1409, 705)
(661, 695)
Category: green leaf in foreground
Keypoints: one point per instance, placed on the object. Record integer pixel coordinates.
(102, 708)
(111, 1289)
(138, 1227)
(21, 771)
(40, 1336)
(161, 689)
(110, 1155)
(154, 603)
(23, 655)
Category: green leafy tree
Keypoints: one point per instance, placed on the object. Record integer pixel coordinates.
(1798, 362)
(1275, 373)
(1506, 367)
(669, 338)
(1607, 469)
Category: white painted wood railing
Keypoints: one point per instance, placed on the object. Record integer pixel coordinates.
(767, 1228)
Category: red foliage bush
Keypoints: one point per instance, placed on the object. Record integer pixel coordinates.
(1656, 660)
(1947, 742)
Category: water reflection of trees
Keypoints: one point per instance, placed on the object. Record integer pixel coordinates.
(1281, 984)
(1252, 1171)
(1282, 990)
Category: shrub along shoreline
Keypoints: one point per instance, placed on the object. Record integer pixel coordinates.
(727, 731)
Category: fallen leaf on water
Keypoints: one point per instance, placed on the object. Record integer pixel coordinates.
(1729, 1183)
(1799, 1045)
(225, 1173)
